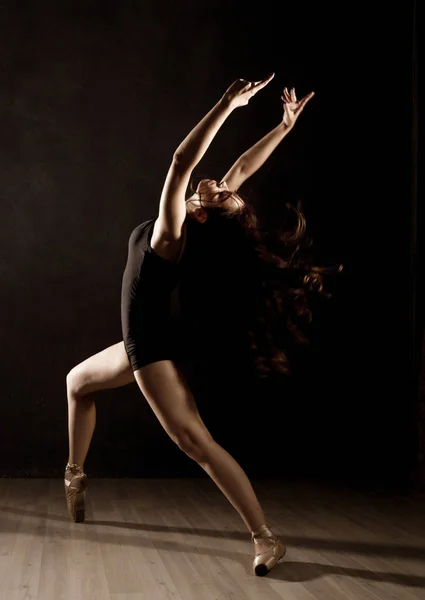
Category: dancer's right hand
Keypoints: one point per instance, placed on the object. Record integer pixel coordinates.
(241, 91)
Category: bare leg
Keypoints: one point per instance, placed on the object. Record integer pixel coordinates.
(107, 369)
(174, 405)
(235, 485)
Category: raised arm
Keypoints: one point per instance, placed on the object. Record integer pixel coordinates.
(172, 207)
(251, 160)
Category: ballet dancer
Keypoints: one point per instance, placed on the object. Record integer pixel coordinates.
(156, 255)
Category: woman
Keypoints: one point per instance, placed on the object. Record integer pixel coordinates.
(156, 253)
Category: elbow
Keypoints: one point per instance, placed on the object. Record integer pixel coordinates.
(181, 162)
(241, 167)
(178, 159)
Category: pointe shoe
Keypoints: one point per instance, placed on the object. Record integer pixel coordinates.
(75, 485)
(265, 560)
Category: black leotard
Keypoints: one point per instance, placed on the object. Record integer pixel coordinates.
(194, 309)
(147, 286)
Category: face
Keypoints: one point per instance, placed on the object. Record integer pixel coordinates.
(213, 189)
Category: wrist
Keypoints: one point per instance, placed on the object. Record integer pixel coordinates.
(284, 128)
(226, 105)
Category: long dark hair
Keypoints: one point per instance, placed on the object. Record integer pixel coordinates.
(285, 276)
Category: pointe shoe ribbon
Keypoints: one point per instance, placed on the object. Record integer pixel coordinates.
(265, 561)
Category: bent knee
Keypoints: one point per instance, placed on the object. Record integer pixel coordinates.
(77, 381)
(194, 441)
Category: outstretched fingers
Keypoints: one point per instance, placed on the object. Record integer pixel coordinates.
(286, 97)
(304, 101)
(258, 85)
(291, 98)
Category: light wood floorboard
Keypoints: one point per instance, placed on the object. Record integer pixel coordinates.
(180, 539)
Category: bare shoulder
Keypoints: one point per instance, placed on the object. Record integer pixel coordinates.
(169, 248)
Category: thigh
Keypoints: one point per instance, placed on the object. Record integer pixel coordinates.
(171, 399)
(107, 369)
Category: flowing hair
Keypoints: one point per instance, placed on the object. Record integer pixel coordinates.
(284, 280)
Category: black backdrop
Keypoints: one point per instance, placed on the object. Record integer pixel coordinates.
(95, 97)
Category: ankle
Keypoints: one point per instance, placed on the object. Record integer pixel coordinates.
(75, 466)
(262, 532)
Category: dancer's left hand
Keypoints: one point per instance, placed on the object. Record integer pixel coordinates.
(292, 107)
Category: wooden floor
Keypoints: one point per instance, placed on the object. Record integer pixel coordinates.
(180, 539)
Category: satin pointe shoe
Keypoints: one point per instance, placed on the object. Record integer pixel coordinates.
(269, 550)
(75, 482)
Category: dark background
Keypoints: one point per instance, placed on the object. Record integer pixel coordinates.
(95, 98)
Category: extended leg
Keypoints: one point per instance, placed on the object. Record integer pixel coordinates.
(173, 404)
